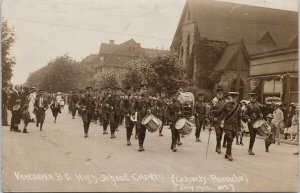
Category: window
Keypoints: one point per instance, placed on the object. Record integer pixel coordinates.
(188, 45)
(272, 86)
(189, 15)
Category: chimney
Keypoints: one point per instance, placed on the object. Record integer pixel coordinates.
(111, 41)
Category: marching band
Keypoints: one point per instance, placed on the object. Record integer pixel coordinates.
(224, 114)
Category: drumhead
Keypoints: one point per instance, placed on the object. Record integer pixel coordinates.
(146, 119)
(258, 123)
(180, 123)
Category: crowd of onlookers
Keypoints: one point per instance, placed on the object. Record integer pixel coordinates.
(23, 103)
(285, 118)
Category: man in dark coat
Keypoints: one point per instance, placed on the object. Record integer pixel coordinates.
(40, 108)
(87, 105)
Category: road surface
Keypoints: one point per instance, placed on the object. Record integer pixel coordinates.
(61, 159)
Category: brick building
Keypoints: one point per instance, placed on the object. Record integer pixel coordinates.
(215, 39)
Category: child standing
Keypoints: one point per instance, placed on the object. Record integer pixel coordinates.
(270, 138)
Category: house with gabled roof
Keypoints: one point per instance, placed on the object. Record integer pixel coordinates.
(215, 40)
(113, 57)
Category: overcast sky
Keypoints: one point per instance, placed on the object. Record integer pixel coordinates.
(46, 29)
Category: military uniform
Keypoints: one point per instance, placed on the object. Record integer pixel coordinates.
(162, 112)
(215, 114)
(200, 111)
(143, 106)
(173, 114)
(112, 108)
(74, 103)
(87, 106)
(231, 115)
(252, 114)
(128, 110)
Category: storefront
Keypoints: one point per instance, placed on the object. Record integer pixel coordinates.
(275, 73)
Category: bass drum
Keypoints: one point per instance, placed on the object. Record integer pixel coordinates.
(183, 126)
(186, 99)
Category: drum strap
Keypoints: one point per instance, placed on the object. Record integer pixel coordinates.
(231, 113)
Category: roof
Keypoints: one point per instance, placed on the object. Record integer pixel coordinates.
(92, 58)
(228, 54)
(121, 49)
(225, 21)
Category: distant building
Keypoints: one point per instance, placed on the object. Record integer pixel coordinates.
(215, 40)
(113, 57)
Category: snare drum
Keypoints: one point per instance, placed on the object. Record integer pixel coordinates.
(258, 123)
(183, 126)
(263, 130)
(151, 123)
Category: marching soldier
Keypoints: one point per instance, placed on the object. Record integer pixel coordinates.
(87, 106)
(162, 110)
(216, 109)
(200, 108)
(143, 108)
(117, 108)
(40, 107)
(252, 114)
(74, 103)
(232, 120)
(173, 114)
(105, 110)
(129, 112)
(111, 105)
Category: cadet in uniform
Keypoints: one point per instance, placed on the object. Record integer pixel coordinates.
(232, 120)
(216, 109)
(162, 110)
(87, 105)
(252, 114)
(173, 114)
(200, 108)
(74, 103)
(111, 105)
(143, 108)
(128, 110)
(105, 110)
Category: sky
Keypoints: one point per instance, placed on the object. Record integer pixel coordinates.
(46, 29)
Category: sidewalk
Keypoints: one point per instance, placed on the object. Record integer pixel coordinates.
(281, 140)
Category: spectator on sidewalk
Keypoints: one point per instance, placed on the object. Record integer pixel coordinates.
(16, 116)
(295, 126)
(278, 121)
(288, 121)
